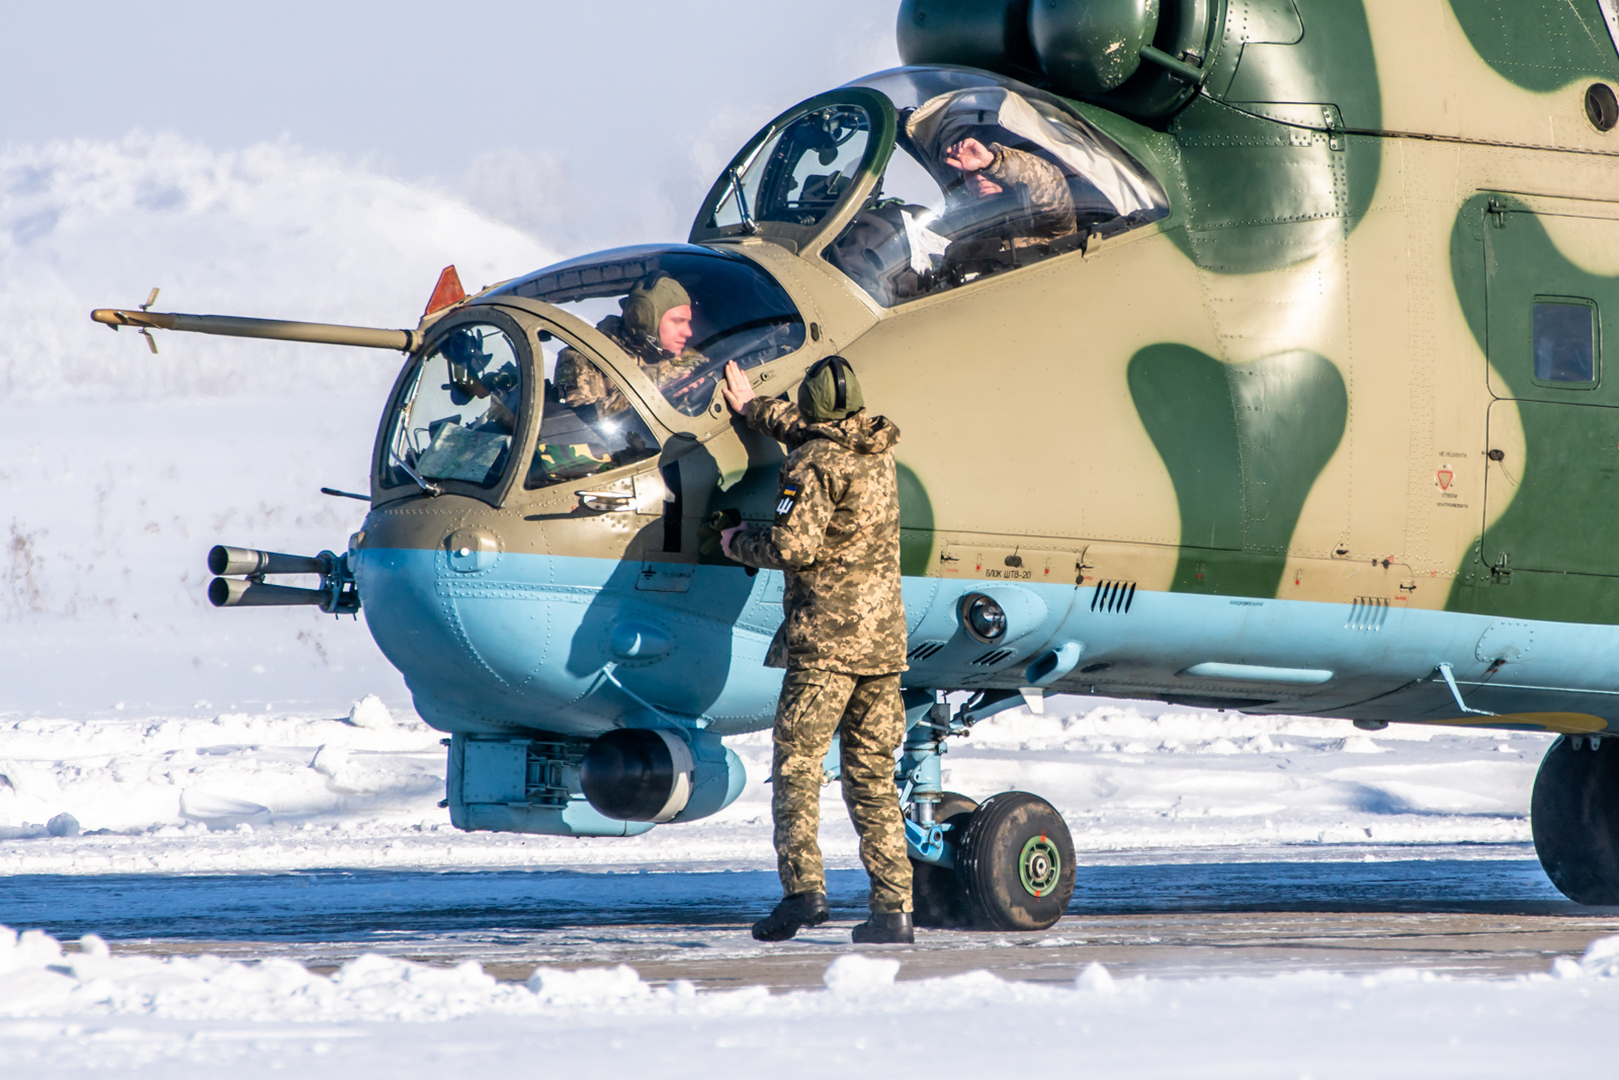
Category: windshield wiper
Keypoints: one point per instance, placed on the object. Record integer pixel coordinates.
(748, 225)
(427, 486)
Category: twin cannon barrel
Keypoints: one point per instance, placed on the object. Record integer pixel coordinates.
(241, 573)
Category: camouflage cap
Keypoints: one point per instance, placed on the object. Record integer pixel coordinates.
(830, 391)
(650, 300)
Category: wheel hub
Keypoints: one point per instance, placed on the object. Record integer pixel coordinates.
(1039, 866)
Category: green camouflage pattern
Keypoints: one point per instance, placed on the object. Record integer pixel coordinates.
(836, 538)
(867, 714)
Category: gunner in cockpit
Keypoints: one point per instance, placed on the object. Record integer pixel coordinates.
(654, 328)
(471, 378)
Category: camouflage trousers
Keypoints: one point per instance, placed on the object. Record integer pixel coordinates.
(867, 712)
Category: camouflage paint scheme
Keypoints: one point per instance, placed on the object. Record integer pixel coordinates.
(1289, 431)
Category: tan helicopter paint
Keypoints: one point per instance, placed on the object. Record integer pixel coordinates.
(1010, 465)
(1435, 83)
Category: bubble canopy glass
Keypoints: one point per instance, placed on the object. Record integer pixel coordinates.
(680, 311)
(962, 174)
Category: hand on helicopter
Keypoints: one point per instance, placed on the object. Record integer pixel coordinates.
(725, 541)
(737, 391)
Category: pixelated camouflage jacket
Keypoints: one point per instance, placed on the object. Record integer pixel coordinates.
(836, 539)
(1048, 205)
(580, 382)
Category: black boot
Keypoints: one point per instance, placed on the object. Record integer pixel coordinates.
(798, 910)
(886, 928)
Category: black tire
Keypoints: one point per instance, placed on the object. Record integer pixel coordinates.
(1574, 816)
(1016, 863)
(936, 890)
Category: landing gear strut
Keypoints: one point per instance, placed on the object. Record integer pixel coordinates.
(1574, 815)
(1005, 865)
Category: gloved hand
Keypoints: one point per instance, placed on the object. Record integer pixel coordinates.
(708, 534)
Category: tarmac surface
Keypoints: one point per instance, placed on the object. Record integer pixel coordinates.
(1479, 911)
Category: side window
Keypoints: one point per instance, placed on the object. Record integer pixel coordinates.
(1566, 345)
(800, 174)
(589, 425)
(983, 180)
(459, 413)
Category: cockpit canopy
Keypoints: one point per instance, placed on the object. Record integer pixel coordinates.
(681, 312)
(672, 315)
(973, 174)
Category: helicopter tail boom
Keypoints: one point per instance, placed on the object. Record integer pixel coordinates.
(276, 329)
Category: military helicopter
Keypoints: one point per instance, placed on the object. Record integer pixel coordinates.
(1249, 354)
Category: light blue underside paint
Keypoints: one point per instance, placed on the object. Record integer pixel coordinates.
(527, 643)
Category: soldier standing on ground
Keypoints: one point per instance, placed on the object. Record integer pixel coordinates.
(836, 539)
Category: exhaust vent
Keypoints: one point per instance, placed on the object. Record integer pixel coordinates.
(1368, 613)
(1113, 596)
(990, 659)
(924, 650)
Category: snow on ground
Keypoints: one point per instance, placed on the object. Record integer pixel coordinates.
(87, 1010)
(271, 791)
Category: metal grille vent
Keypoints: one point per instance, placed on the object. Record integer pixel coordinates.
(990, 659)
(1113, 596)
(924, 650)
(1368, 613)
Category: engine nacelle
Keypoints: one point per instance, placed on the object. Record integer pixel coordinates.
(659, 775)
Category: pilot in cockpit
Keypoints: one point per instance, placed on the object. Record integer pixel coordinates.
(1010, 185)
(655, 327)
(1039, 207)
(981, 147)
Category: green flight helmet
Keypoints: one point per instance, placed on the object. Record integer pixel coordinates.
(649, 301)
(830, 392)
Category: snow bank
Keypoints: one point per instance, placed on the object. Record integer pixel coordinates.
(272, 230)
(64, 1010)
(39, 978)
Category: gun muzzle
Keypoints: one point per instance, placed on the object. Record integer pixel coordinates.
(247, 562)
(240, 592)
(246, 587)
(365, 337)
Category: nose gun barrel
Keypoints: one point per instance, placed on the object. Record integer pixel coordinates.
(240, 592)
(245, 585)
(366, 337)
(247, 562)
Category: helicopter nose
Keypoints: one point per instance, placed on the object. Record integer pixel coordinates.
(503, 639)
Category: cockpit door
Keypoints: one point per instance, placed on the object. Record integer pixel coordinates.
(609, 442)
(800, 179)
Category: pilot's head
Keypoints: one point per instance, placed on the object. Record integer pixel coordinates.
(829, 392)
(658, 309)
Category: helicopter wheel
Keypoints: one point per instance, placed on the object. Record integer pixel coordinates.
(936, 893)
(1574, 816)
(1015, 862)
